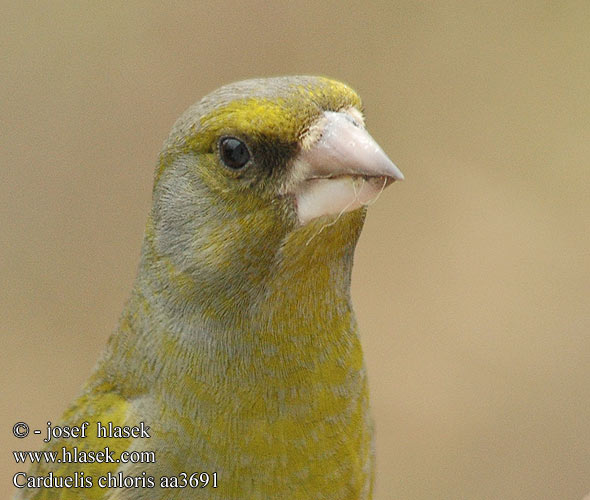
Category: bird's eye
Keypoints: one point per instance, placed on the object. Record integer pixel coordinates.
(234, 153)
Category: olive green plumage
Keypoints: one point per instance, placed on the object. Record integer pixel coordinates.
(238, 346)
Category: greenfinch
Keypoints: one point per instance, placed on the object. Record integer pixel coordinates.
(236, 370)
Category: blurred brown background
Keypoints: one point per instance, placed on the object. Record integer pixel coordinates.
(472, 277)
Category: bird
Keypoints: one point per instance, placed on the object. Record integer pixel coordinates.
(236, 369)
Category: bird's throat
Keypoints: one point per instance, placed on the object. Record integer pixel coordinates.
(281, 312)
(280, 382)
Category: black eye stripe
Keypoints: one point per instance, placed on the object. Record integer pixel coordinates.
(233, 152)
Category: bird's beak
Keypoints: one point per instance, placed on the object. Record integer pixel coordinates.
(340, 167)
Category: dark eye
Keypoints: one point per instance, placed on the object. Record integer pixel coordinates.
(233, 152)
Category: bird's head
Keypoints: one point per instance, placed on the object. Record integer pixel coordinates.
(258, 168)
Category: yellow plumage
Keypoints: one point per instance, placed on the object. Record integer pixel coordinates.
(239, 346)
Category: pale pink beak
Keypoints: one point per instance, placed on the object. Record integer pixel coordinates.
(342, 170)
(346, 148)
